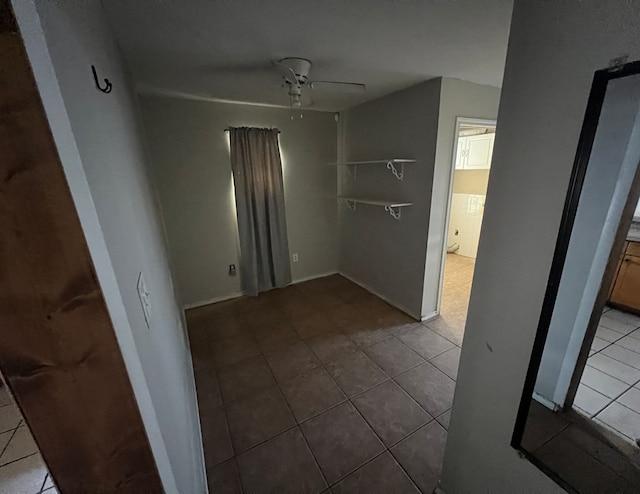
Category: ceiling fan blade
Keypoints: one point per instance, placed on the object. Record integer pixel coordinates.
(356, 87)
(286, 72)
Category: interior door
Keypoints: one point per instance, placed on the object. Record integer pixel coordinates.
(461, 152)
(479, 150)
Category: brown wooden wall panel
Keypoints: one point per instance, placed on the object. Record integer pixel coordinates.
(58, 349)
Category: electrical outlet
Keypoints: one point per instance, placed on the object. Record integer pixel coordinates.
(295, 257)
(143, 294)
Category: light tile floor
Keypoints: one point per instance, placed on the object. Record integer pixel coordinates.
(22, 470)
(456, 289)
(322, 384)
(609, 390)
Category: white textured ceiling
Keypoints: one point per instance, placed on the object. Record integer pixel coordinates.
(222, 48)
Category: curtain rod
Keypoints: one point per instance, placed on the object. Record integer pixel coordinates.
(229, 129)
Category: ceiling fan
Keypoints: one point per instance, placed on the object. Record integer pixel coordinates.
(295, 76)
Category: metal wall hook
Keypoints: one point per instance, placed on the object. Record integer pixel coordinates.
(107, 84)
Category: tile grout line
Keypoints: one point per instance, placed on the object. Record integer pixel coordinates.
(19, 459)
(44, 482)
(347, 397)
(613, 358)
(398, 461)
(609, 400)
(389, 378)
(593, 457)
(613, 400)
(347, 400)
(304, 438)
(614, 377)
(384, 446)
(566, 426)
(448, 410)
(13, 431)
(426, 325)
(340, 329)
(616, 340)
(603, 424)
(625, 406)
(387, 448)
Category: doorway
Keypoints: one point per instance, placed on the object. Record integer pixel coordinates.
(473, 150)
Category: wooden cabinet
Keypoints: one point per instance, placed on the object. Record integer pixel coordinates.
(626, 287)
(619, 263)
(474, 152)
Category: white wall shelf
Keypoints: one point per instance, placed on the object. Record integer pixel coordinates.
(395, 165)
(394, 208)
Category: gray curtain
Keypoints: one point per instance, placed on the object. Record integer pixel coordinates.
(257, 176)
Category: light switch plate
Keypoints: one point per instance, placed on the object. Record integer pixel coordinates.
(143, 294)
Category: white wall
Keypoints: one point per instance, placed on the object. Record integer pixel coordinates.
(100, 145)
(457, 99)
(554, 49)
(191, 165)
(471, 181)
(385, 255)
(465, 221)
(466, 210)
(612, 166)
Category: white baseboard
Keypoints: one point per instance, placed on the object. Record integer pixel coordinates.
(554, 407)
(438, 490)
(233, 295)
(429, 316)
(313, 277)
(371, 290)
(214, 300)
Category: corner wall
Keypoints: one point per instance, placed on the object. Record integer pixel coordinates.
(102, 152)
(190, 152)
(457, 99)
(554, 50)
(385, 255)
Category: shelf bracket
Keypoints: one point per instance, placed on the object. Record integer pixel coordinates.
(398, 174)
(350, 204)
(393, 211)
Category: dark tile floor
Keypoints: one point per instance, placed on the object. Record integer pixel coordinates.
(595, 449)
(579, 454)
(322, 387)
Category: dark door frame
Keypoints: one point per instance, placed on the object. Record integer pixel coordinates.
(603, 294)
(585, 144)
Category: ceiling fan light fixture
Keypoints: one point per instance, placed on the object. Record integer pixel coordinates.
(296, 101)
(299, 66)
(295, 76)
